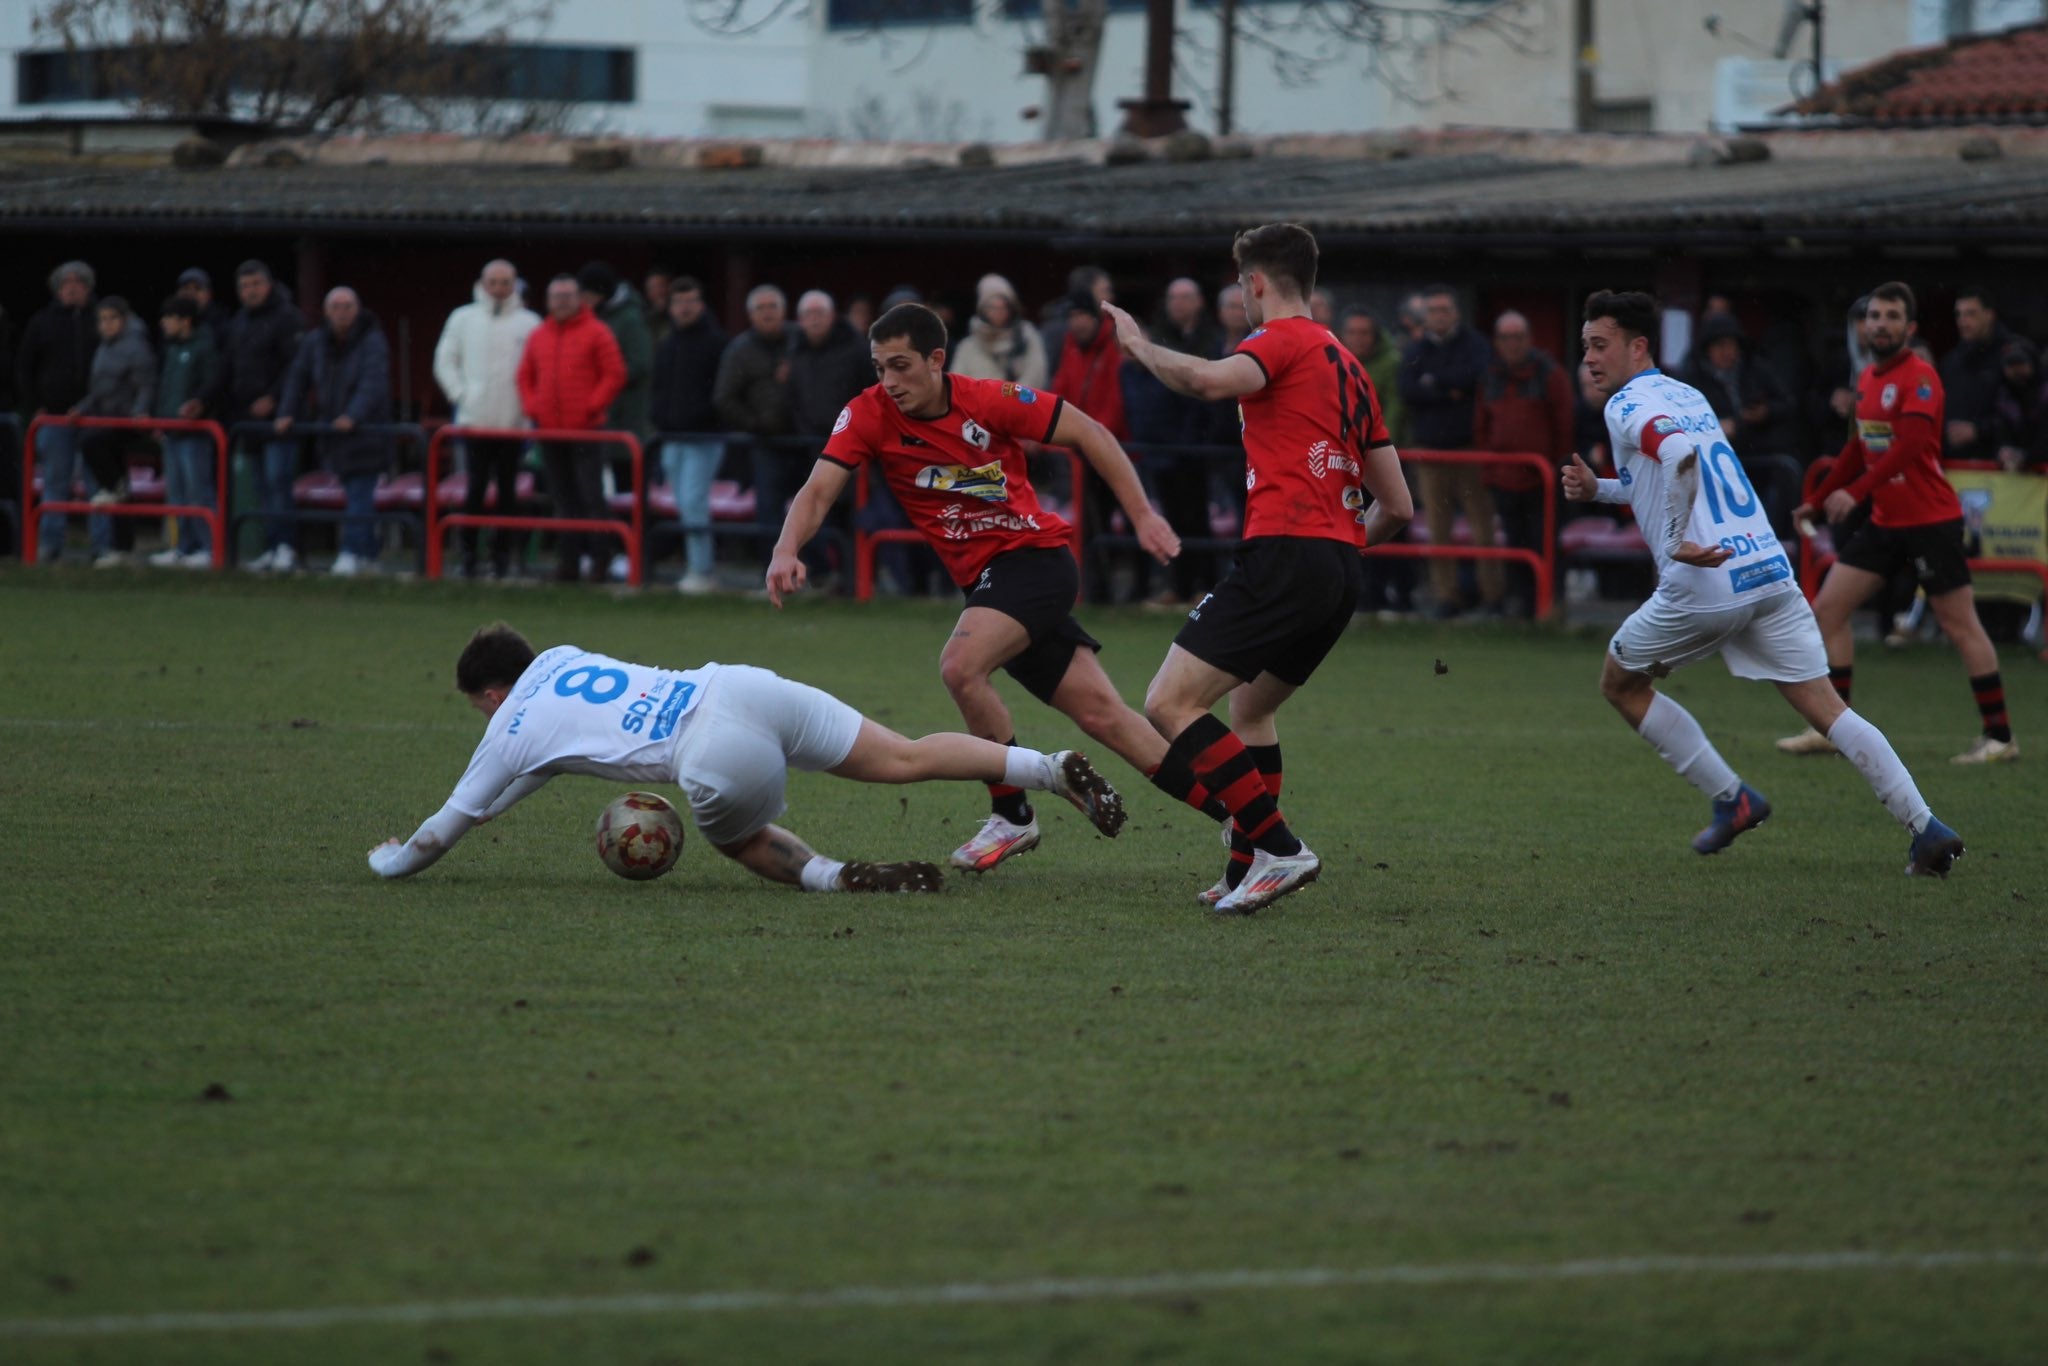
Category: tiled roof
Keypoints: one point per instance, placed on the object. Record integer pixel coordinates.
(1447, 200)
(1992, 77)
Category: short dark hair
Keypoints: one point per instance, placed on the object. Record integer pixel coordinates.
(114, 303)
(1282, 251)
(1899, 292)
(180, 306)
(1081, 279)
(494, 658)
(918, 324)
(685, 284)
(1437, 292)
(1365, 313)
(252, 266)
(597, 277)
(1633, 311)
(1980, 294)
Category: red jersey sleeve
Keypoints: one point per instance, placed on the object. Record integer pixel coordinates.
(1015, 410)
(1272, 350)
(857, 434)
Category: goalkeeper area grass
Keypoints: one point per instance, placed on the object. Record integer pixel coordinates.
(1521, 1079)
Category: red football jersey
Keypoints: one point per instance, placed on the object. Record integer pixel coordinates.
(1306, 434)
(1895, 463)
(962, 477)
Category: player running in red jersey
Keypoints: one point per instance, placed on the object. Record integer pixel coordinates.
(1893, 458)
(1315, 450)
(949, 447)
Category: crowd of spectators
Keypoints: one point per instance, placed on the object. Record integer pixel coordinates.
(657, 362)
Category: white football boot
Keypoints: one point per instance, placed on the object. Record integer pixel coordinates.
(998, 840)
(1074, 778)
(1985, 750)
(1808, 741)
(1269, 878)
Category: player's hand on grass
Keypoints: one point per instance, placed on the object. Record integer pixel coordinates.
(786, 574)
(1156, 537)
(1703, 556)
(1581, 485)
(1128, 333)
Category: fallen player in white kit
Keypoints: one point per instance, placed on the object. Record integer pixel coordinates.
(727, 734)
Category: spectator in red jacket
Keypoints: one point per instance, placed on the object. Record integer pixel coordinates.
(569, 374)
(1523, 403)
(1088, 374)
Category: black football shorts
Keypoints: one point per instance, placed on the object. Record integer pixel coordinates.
(1281, 607)
(1934, 550)
(1037, 588)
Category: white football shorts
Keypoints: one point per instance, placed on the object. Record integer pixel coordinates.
(752, 727)
(1775, 639)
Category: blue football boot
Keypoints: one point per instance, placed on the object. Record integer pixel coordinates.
(1934, 851)
(1746, 810)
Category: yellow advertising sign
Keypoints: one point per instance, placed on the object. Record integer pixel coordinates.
(2005, 517)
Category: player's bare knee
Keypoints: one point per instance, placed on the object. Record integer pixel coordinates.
(960, 675)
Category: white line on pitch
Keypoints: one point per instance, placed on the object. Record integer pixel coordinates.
(1042, 1290)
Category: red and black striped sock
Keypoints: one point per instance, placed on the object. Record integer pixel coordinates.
(1219, 761)
(1266, 758)
(1173, 777)
(1990, 693)
(1842, 676)
(1010, 802)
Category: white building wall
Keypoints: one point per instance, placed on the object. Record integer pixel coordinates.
(797, 76)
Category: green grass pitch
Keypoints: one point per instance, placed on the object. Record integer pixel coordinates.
(1453, 1103)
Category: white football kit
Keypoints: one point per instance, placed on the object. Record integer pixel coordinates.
(1749, 609)
(726, 734)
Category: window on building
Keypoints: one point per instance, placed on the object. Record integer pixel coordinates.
(1032, 9)
(880, 13)
(515, 71)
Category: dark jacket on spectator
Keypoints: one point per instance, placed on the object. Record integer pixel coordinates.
(1970, 381)
(336, 376)
(1755, 382)
(626, 315)
(123, 377)
(825, 377)
(1438, 380)
(1156, 414)
(752, 389)
(1524, 408)
(6, 362)
(190, 369)
(2019, 414)
(54, 364)
(259, 348)
(570, 372)
(685, 371)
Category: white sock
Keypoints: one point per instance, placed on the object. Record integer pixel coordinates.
(1879, 764)
(821, 874)
(1028, 768)
(1681, 743)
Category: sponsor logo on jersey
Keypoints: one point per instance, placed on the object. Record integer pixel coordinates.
(1889, 397)
(1023, 393)
(843, 421)
(1628, 410)
(1319, 459)
(679, 700)
(1354, 502)
(974, 434)
(908, 440)
(1626, 477)
(986, 482)
(1877, 436)
(958, 522)
(1752, 576)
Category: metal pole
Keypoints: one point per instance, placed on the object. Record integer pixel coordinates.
(1226, 70)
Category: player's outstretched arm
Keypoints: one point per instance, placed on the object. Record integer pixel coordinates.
(1393, 507)
(1231, 377)
(1681, 487)
(428, 843)
(786, 571)
(1107, 457)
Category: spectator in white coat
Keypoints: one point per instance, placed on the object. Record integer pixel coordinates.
(476, 364)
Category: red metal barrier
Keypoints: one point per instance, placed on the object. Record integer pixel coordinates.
(865, 541)
(1542, 564)
(632, 532)
(33, 508)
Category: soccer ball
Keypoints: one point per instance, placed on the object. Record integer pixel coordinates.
(639, 836)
